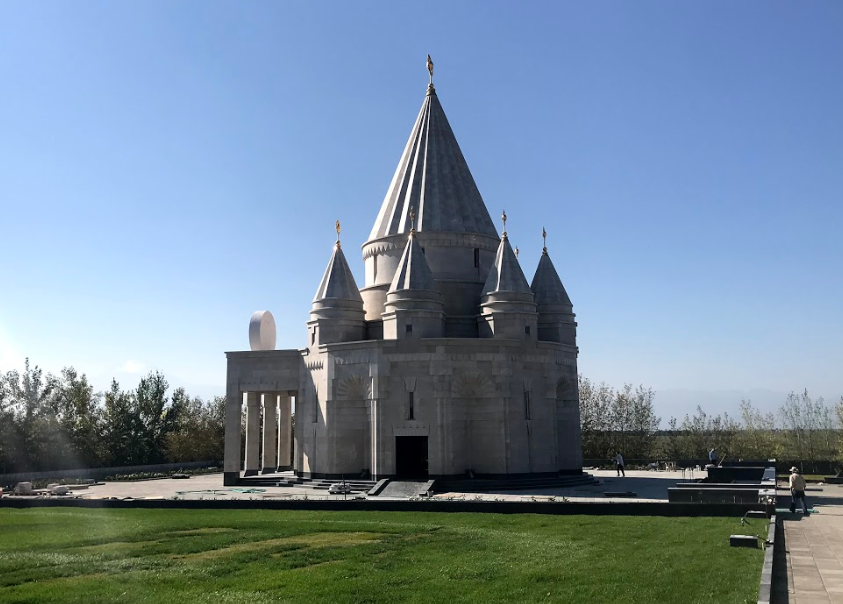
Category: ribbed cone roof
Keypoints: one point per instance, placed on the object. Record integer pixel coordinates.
(413, 271)
(433, 177)
(506, 274)
(338, 282)
(547, 286)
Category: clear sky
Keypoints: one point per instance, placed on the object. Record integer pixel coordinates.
(166, 168)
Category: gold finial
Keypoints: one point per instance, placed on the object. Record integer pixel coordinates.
(544, 237)
(503, 217)
(338, 233)
(430, 69)
(516, 252)
(412, 220)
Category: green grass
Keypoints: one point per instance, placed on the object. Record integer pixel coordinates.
(256, 556)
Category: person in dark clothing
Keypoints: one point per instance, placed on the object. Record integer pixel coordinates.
(619, 461)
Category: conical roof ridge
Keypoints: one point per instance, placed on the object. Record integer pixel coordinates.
(506, 274)
(433, 177)
(547, 286)
(413, 270)
(338, 282)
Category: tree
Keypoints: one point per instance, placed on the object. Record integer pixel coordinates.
(200, 431)
(156, 417)
(621, 420)
(121, 427)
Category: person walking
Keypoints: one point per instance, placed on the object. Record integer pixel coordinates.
(797, 490)
(619, 461)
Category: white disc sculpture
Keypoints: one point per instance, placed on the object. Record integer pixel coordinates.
(262, 331)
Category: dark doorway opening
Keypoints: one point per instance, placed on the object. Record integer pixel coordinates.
(411, 456)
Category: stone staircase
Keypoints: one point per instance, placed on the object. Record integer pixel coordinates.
(289, 479)
(491, 485)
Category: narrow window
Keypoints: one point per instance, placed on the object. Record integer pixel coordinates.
(313, 337)
(476, 258)
(423, 252)
(409, 328)
(526, 404)
(527, 329)
(411, 401)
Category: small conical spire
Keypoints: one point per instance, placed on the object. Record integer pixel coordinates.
(547, 286)
(516, 251)
(338, 281)
(413, 270)
(506, 274)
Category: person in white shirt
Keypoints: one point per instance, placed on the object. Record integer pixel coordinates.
(712, 457)
(797, 490)
(619, 461)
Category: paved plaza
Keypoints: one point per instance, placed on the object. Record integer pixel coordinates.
(814, 547)
(647, 486)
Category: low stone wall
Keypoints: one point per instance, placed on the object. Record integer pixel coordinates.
(736, 473)
(735, 510)
(765, 588)
(709, 495)
(100, 473)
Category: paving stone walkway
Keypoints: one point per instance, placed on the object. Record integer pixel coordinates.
(814, 546)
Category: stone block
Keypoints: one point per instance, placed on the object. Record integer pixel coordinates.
(743, 541)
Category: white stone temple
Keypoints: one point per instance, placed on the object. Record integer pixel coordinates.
(446, 362)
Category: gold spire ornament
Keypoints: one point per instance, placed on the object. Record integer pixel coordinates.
(503, 217)
(338, 233)
(430, 68)
(544, 237)
(516, 252)
(412, 220)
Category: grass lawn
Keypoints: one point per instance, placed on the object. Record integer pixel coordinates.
(256, 556)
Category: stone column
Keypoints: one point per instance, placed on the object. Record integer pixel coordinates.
(270, 432)
(374, 425)
(284, 432)
(253, 432)
(233, 416)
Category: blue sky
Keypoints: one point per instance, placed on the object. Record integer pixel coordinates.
(168, 168)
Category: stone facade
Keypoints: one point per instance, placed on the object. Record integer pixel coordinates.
(446, 362)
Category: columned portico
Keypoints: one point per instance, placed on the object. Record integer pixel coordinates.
(268, 411)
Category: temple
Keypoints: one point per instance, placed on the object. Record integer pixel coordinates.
(445, 362)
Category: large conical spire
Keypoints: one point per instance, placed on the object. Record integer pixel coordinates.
(433, 177)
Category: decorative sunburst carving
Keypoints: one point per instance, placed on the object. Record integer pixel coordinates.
(472, 385)
(566, 392)
(355, 387)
